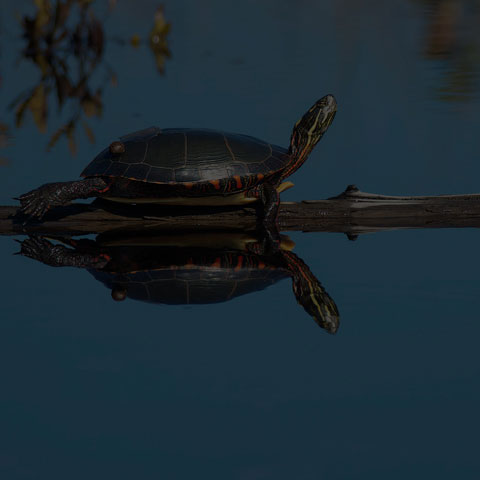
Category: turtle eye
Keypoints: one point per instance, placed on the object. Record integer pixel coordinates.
(119, 293)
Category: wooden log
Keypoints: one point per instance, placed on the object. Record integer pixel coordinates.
(352, 212)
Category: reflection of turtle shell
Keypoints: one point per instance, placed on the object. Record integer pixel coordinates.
(196, 281)
(189, 269)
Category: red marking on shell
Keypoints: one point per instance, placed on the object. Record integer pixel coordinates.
(238, 181)
(239, 263)
(261, 265)
(260, 176)
(216, 184)
(217, 263)
(188, 185)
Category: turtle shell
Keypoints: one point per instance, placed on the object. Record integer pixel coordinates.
(173, 275)
(184, 155)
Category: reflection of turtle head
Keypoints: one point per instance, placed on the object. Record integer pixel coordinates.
(311, 295)
(119, 293)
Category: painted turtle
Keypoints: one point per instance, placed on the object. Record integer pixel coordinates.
(191, 167)
(199, 268)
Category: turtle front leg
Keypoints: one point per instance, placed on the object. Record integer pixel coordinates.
(270, 198)
(37, 202)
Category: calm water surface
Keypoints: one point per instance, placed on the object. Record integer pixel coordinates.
(252, 388)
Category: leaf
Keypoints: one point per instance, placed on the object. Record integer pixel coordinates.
(135, 40)
(43, 16)
(38, 107)
(88, 132)
(63, 88)
(43, 64)
(160, 26)
(95, 37)
(89, 105)
(55, 137)
(20, 111)
(61, 13)
(5, 135)
(158, 39)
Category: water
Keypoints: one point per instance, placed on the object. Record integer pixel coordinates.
(252, 388)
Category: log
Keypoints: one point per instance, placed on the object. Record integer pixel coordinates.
(353, 212)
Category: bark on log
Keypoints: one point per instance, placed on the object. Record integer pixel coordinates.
(352, 212)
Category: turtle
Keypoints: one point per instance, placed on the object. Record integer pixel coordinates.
(179, 269)
(186, 166)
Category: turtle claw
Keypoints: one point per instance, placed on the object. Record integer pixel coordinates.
(42, 250)
(35, 204)
(36, 247)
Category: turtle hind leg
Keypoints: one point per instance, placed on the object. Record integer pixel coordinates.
(40, 249)
(37, 202)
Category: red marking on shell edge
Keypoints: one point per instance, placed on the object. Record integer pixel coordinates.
(188, 185)
(216, 184)
(217, 263)
(238, 181)
(261, 265)
(260, 176)
(239, 263)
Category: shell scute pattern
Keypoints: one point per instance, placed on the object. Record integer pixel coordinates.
(139, 170)
(165, 174)
(116, 169)
(188, 155)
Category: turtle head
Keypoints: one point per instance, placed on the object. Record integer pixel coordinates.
(309, 130)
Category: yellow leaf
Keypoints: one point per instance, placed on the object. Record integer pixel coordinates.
(54, 138)
(42, 62)
(72, 144)
(43, 14)
(88, 132)
(20, 111)
(135, 40)
(38, 107)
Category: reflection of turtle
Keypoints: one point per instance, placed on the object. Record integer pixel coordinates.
(191, 167)
(189, 269)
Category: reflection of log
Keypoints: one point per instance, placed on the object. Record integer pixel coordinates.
(353, 212)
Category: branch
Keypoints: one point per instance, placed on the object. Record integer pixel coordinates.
(352, 212)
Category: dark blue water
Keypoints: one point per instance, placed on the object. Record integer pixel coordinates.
(252, 388)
